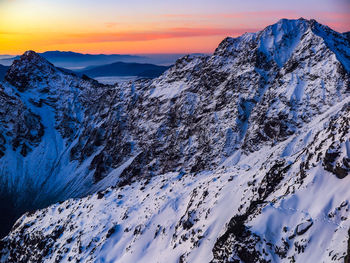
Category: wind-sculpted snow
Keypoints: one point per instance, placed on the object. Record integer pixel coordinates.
(212, 161)
(265, 208)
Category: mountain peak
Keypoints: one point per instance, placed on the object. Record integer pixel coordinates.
(30, 53)
(298, 21)
(29, 68)
(277, 42)
(33, 57)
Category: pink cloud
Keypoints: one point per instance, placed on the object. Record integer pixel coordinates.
(111, 24)
(264, 14)
(156, 35)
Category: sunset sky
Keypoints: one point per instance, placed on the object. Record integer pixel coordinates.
(140, 26)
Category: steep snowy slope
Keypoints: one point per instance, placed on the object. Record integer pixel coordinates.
(210, 161)
(272, 205)
(42, 110)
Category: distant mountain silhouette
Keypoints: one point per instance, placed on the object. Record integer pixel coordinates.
(145, 70)
(125, 69)
(68, 59)
(74, 60)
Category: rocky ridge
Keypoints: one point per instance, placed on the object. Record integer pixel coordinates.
(249, 113)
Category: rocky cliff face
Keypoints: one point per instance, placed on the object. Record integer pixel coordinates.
(266, 114)
(256, 89)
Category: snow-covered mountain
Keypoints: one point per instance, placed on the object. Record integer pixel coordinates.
(241, 156)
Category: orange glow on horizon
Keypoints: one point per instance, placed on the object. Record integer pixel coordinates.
(92, 28)
(174, 40)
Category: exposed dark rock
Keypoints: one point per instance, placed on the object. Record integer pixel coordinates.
(302, 228)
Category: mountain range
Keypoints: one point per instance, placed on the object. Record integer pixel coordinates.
(125, 69)
(99, 65)
(142, 70)
(238, 156)
(68, 59)
(77, 61)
